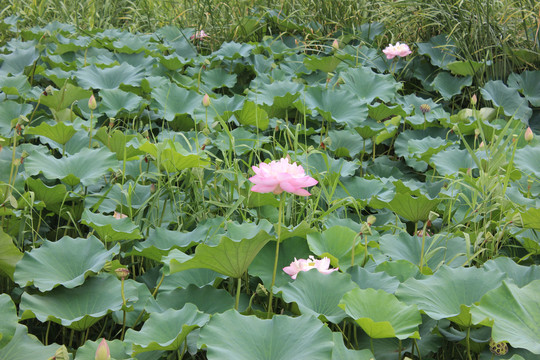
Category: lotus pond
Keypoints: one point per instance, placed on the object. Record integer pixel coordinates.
(132, 210)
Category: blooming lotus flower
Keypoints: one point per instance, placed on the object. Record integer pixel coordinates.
(103, 352)
(307, 264)
(199, 35)
(401, 50)
(279, 176)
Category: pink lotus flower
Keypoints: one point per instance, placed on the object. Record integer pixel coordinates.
(279, 176)
(400, 50)
(307, 264)
(199, 35)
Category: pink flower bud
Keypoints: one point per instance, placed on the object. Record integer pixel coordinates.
(335, 45)
(92, 104)
(529, 134)
(103, 352)
(206, 100)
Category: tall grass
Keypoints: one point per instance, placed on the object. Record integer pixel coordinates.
(502, 31)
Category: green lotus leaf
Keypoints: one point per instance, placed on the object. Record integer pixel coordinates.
(518, 274)
(172, 157)
(109, 228)
(59, 132)
(419, 119)
(233, 50)
(231, 256)
(81, 307)
(9, 255)
(381, 315)
(128, 197)
(345, 143)
(8, 319)
(441, 50)
(334, 105)
(424, 149)
(381, 111)
(373, 280)
(318, 294)
(122, 144)
(119, 350)
(222, 107)
(530, 218)
(160, 241)
(341, 352)
(325, 166)
(167, 330)
(337, 243)
(15, 85)
(231, 336)
(525, 160)
(65, 97)
(512, 312)
(448, 85)
(24, 346)
(368, 85)
(373, 192)
(289, 249)
(93, 77)
(451, 161)
(401, 269)
(10, 112)
(450, 292)
(438, 249)
(217, 78)
(327, 64)
(171, 100)
(66, 262)
(15, 62)
(251, 114)
(131, 43)
(87, 166)
(279, 94)
(507, 98)
(528, 83)
(208, 299)
(465, 68)
(134, 308)
(413, 208)
(197, 277)
(113, 101)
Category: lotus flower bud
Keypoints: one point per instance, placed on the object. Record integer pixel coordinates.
(122, 273)
(103, 352)
(206, 100)
(335, 44)
(92, 104)
(529, 134)
(476, 132)
(152, 188)
(482, 145)
(474, 100)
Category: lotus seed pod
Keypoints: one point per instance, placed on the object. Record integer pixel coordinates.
(476, 132)
(49, 90)
(261, 290)
(425, 108)
(500, 348)
(371, 219)
(92, 104)
(529, 134)
(121, 273)
(517, 220)
(433, 216)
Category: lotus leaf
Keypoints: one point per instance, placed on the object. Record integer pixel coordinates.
(231, 336)
(167, 330)
(24, 346)
(381, 315)
(66, 262)
(8, 320)
(9, 255)
(109, 228)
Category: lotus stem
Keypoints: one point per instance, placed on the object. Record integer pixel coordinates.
(238, 289)
(280, 216)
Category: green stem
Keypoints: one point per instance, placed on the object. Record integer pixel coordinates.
(238, 289)
(124, 310)
(421, 265)
(281, 201)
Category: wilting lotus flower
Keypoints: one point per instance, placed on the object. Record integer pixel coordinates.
(103, 352)
(307, 264)
(279, 176)
(399, 49)
(199, 35)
